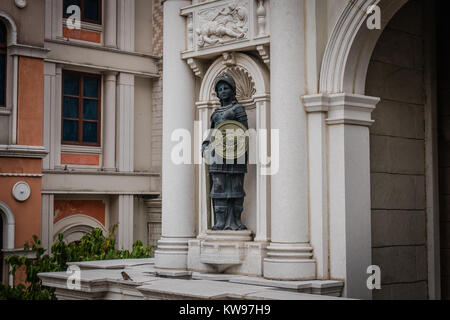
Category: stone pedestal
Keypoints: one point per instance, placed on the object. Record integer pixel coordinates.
(231, 252)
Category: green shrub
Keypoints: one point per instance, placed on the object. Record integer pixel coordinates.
(92, 246)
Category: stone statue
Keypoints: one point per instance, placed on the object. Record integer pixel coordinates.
(226, 177)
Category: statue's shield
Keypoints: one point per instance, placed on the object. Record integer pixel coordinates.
(230, 140)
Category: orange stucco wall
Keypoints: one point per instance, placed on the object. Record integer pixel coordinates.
(30, 101)
(80, 159)
(27, 214)
(92, 208)
(84, 35)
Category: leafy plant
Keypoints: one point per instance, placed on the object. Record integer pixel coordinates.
(92, 246)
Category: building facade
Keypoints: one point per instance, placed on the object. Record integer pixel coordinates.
(81, 120)
(348, 101)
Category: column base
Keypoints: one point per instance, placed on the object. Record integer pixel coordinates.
(289, 262)
(172, 253)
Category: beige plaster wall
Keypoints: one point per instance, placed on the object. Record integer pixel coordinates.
(396, 74)
(29, 21)
(142, 124)
(143, 27)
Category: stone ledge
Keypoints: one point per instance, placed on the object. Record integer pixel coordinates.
(104, 280)
(322, 287)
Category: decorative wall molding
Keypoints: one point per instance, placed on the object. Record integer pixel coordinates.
(261, 18)
(229, 59)
(247, 65)
(342, 108)
(20, 3)
(264, 53)
(21, 191)
(73, 226)
(19, 151)
(197, 67)
(245, 86)
(25, 175)
(28, 51)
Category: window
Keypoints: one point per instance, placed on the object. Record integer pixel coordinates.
(81, 109)
(91, 10)
(3, 45)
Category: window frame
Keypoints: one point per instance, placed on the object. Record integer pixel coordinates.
(80, 118)
(83, 19)
(4, 51)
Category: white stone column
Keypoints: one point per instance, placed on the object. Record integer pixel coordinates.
(125, 123)
(317, 107)
(262, 233)
(110, 23)
(57, 18)
(49, 111)
(109, 120)
(47, 221)
(178, 189)
(125, 24)
(125, 206)
(56, 116)
(349, 118)
(289, 254)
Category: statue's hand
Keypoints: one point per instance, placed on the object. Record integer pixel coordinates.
(204, 147)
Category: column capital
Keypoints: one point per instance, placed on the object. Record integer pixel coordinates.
(342, 108)
(110, 75)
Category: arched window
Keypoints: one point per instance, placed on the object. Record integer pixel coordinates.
(3, 44)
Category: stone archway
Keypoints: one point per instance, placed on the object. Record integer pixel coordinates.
(76, 226)
(343, 78)
(339, 118)
(348, 52)
(11, 27)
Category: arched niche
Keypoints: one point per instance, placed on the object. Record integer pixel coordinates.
(74, 227)
(252, 92)
(348, 52)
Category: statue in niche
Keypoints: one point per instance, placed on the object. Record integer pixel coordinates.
(225, 150)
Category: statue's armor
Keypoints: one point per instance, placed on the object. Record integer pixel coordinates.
(232, 112)
(227, 179)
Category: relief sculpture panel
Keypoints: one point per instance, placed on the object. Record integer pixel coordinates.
(223, 24)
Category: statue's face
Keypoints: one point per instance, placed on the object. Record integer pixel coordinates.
(224, 91)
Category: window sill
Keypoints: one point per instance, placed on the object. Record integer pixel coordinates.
(5, 111)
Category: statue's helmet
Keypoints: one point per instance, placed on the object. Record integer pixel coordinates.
(225, 77)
